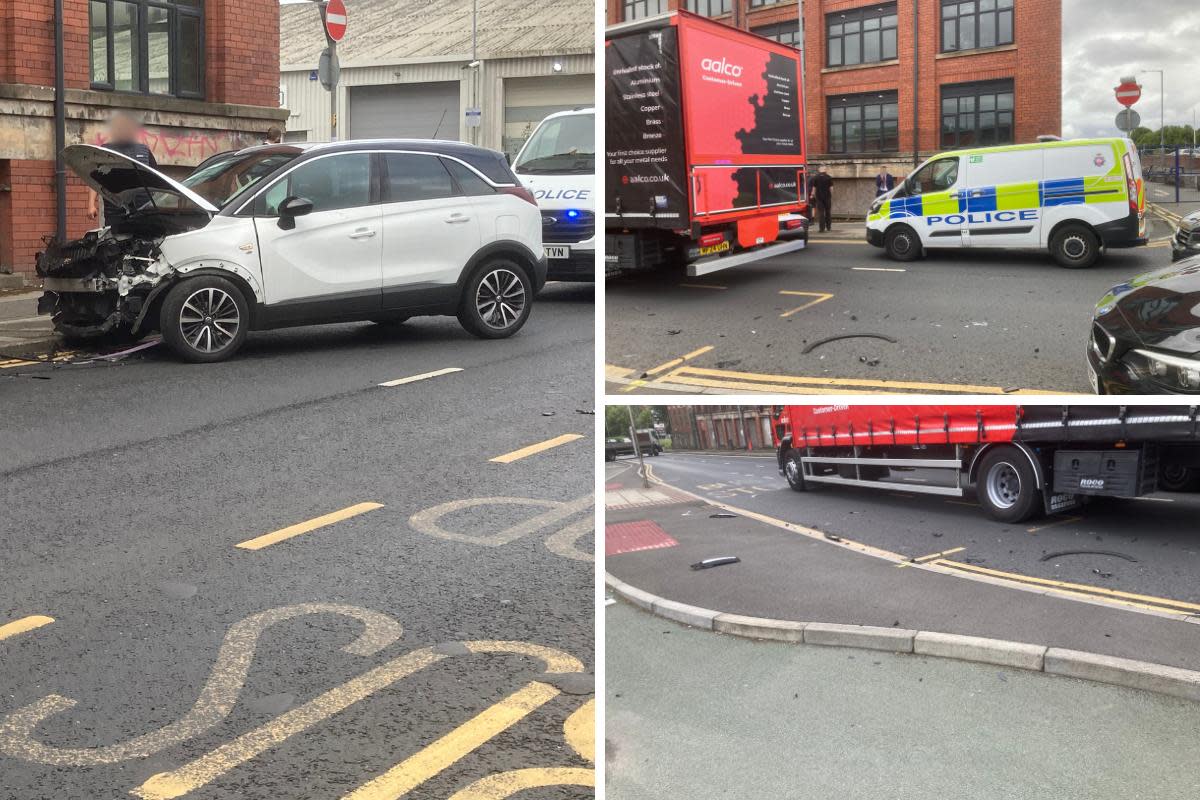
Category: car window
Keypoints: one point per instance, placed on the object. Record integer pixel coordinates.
(467, 179)
(333, 182)
(936, 176)
(412, 176)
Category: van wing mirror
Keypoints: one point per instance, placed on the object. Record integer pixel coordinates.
(291, 208)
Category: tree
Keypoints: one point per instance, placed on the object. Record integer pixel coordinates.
(1177, 136)
(616, 422)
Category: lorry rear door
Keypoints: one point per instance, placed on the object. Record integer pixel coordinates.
(1002, 200)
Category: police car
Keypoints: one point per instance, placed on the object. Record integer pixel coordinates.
(558, 164)
(1074, 198)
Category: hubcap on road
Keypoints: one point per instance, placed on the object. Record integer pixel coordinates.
(1003, 485)
(209, 320)
(500, 298)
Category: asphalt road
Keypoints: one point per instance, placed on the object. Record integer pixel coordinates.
(135, 496)
(984, 321)
(1148, 546)
(756, 719)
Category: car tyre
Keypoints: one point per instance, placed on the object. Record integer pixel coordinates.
(1075, 247)
(901, 243)
(1007, 486)
(496, 300)
(204, 319)
(793, 470)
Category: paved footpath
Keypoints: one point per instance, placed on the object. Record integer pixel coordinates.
(769, 720)
(791, 576)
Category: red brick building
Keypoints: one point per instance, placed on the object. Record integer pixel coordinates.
(202, 74)
(889, 83)
(720, 427)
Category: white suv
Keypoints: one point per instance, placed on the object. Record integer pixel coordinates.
(284, 235)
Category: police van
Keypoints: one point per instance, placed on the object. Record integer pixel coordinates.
(558, 164)
(1074, 198)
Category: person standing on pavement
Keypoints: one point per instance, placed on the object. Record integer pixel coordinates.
(820, 197)
(884, 181)
(274, 135)
(124, 137)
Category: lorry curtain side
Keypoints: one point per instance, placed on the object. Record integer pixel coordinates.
(834, 425)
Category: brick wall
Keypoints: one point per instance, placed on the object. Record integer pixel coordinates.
(27, 42)
(239, 68)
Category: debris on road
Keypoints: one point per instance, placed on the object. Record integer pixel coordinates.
(1112, 553)
(722, 515)
(720, 561)
(841, 336)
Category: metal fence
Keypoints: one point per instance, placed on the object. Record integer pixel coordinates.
(1177, 167)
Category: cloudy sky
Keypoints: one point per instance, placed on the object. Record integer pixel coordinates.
(1106, 39)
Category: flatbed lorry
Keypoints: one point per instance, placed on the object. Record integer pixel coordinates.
(1019, 460)
(705, 157)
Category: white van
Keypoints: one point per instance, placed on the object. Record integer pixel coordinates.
(558, 164)
(1073, 197)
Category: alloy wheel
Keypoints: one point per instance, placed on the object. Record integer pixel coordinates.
(209, 320)
(500, 298)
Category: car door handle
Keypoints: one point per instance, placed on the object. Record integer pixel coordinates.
(362, 233)
(455, 219)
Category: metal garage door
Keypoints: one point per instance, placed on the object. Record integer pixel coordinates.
(527, 101)
(405, 111)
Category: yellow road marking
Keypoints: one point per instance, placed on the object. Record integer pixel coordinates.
(420, 767)
(1060, 521)
(62, 355)
(1155, 602)
(24, 625)
(931, 557)
(703, 286)
(268, 539)
(580, 731)
(525, 452)
(507, 784)
(821, 297)
(421, 377)
(677, 361)
(725, 379)
(633, 385)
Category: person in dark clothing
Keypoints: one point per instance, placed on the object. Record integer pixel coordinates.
(820, 196)
(124, 137)
(884, 181)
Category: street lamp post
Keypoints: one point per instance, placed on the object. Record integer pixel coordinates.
(637, 448)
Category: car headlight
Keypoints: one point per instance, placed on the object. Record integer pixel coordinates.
(1170, 372)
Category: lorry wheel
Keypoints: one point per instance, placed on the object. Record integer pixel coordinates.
(1007, 486)
(794, 472)
(1075, 247)
(901, 243)
(1177, 478)
(204, 319)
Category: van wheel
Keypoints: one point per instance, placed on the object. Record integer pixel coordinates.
(204, 319)
(1007, 486)
(901, 243)
(794, 471)
(1075, 247)
(496, 300)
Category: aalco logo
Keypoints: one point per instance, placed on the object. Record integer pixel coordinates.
(722, 67)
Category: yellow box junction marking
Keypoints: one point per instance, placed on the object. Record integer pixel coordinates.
(533, 449)
(420, 767)
(423, 376)
(268, 539)
(24, 625)
(820, 297)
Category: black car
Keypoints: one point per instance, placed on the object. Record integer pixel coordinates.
(1186, 241)
(1145, 336)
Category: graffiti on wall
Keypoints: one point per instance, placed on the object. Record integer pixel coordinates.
(183, 147)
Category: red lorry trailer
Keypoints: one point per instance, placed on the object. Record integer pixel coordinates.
(1020, 460)
(705, 147)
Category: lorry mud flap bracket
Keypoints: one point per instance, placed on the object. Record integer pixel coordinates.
(707, 266)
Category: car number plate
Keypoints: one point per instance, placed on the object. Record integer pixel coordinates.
(557, 251)
(1093, 380)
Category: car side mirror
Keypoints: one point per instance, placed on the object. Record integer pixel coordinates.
(291, 208)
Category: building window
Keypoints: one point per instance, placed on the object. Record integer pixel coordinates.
(861, 35)
(976, 23)
(977, 114)
(760, 3)
(864, 123)
(640, 9)
(785, 33)
(147, 46)
(710, 8)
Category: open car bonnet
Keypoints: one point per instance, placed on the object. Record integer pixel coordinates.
(125, 182)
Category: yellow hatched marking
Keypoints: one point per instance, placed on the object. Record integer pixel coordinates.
(506, 784)
(268, 539)
(533, 449)
(819, 297)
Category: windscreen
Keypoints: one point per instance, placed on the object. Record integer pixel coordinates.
(560, 146)
(222, 179)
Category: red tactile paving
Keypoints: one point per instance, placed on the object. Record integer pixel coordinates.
(608, 487)
(630, 537)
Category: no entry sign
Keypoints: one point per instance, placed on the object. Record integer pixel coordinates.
(335, 19)
(1128, 92)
